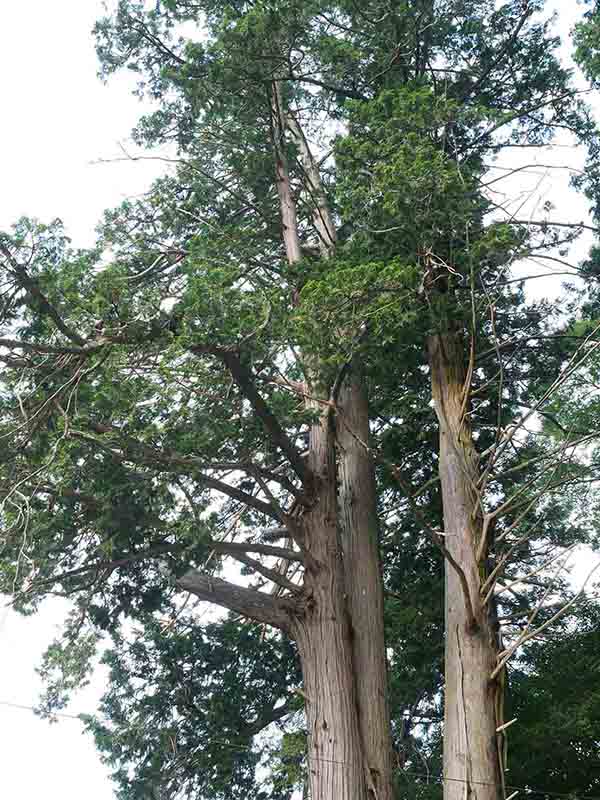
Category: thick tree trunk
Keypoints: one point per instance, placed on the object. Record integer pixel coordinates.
(472, 766)
(322, 632)
(335, 762)
(364, 585)
(340, 634)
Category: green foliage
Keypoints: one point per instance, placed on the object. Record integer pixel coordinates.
(587, 42)
(110, 445)
(555, 696)
(357, 308)
(66, 668)
(399, 177)
(184, 707)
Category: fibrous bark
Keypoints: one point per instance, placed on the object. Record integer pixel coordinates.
(340, 636)
(364, 584)
(335, 752)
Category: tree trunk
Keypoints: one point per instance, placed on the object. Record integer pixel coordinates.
(343, 657)
(335, 762)
(472, 762)
(322, 632)
(287, 204)
(364, 585)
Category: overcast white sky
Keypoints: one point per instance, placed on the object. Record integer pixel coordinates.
(57, 119)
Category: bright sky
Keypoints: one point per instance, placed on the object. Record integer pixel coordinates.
(58, 119)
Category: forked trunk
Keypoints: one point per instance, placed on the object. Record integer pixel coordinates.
(340, 634)
(472, 765)
(364, 585)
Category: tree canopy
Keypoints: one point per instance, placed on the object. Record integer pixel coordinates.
(203, 402)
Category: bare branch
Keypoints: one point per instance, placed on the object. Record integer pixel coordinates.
(549, 224)
(533, 572)
(528, 635)
(248, 602)
(233, 548)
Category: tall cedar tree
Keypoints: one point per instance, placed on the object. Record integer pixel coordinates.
(220, 387)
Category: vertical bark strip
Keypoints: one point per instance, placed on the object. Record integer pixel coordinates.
(471, 757)
(322, 219)
(289, 217)
(322, 631)
(364, 585)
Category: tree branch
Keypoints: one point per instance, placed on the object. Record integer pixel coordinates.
(45, 307)
(518, 115)
(252, 470)
(34, 347)
(550, 224)
(245, 382)
(156, 42)
(247, 602)
(278, 578)
(169, 462)
(528, 634)
(329, 87)
(233, 548)
(153, 552)
(527, 12)
(270, 715)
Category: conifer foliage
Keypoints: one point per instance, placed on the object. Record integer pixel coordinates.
(297, 374)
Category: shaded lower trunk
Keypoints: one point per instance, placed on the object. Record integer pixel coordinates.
(472, 766)
(364, 585)
(334, 749)
(322, 632)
